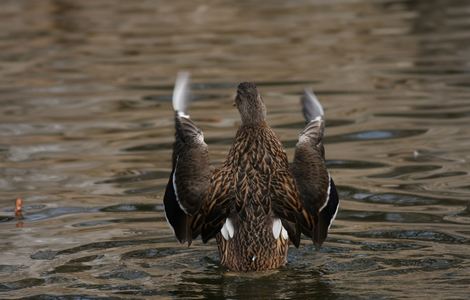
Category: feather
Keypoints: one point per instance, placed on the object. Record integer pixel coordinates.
(314, 183)
(175, 187)
(230, 228)
(225, 232)
(181, 94)
(327, 193)
(326, 216)
(175, 216)
(284, 233)
(190, 177)
(277, 226)
(311, 107)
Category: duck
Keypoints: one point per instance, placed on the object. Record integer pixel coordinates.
(256, 203)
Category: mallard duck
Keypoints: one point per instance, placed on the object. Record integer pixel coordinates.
(255, 204)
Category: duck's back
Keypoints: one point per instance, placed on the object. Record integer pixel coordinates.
(254, 163)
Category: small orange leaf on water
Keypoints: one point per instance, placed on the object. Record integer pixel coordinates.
(18, 206)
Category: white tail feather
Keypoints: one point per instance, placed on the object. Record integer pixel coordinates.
(284, 233)
(224, 232)
(277, 227)
(228, 231)
(230, 228)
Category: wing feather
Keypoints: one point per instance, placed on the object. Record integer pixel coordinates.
(181, 93)
(190, 177)
(311, 107)
(218, 204)
(314, 183)
(288, 207)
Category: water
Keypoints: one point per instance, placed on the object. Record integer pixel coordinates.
(86, 130)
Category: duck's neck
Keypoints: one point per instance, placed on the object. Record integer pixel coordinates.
(253, 114)
(254, 126)
(258, 119)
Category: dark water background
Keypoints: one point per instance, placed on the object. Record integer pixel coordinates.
(86, 130)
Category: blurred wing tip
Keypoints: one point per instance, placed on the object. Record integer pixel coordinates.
(312, 107)
(181, 92)
(183, 74)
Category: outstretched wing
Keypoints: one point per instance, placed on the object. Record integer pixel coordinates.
(190, 177)
(316, 187)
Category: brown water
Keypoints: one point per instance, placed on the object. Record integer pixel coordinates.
(86, 129)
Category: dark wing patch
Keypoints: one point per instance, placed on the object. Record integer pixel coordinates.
(326, 216)
(174, 214)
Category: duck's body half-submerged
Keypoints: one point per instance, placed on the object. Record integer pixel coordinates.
(255, 203)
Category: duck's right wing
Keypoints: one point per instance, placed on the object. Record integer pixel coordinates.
(189, 181)
(316, 187)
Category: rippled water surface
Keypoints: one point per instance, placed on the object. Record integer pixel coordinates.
(86, 130)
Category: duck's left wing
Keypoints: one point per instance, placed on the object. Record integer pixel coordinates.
(316, 187)
(190, 176)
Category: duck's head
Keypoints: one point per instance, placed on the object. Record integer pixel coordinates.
(250, 104)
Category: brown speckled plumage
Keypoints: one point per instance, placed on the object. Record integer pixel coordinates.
(252, 190)
(255, 161)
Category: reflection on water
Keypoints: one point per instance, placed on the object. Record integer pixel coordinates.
(86, 131)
